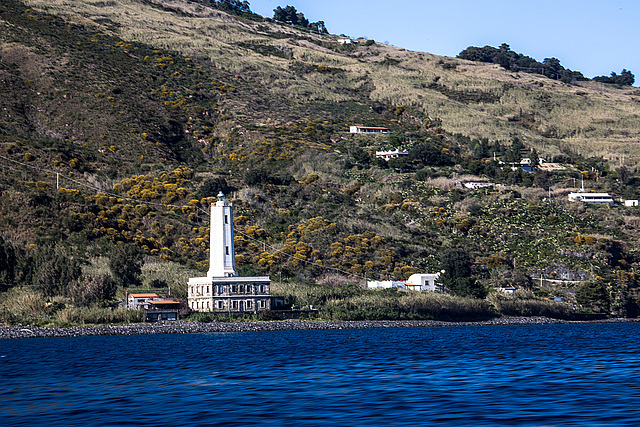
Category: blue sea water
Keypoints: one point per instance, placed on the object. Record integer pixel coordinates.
(527, 375)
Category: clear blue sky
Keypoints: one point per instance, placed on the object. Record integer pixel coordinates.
(594, 37)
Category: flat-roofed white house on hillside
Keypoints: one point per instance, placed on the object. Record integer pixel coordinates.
(415, 282)
(393, 154)
(368, 129)
(474, 185)
(596, 198)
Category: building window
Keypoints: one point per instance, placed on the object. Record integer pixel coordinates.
(220, 304)
(262, 305)
(207, 305)
(241, 289)
(235, 304)
(207, 289)
(234, 288)
(226, 219)
(227, 249)
(262, 289)
(249, 304)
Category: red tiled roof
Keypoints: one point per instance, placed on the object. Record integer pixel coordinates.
(148, 295)
(164, 302)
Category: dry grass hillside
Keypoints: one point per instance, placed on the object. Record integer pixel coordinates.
(473, 99)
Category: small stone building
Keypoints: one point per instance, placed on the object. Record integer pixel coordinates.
(162, 309)
(156, 307)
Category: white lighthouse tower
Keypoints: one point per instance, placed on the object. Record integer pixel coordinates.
(223, 291)
(221, 254)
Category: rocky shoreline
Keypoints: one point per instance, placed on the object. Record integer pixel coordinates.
(180, 327)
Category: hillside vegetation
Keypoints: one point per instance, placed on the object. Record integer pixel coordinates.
(121, 120)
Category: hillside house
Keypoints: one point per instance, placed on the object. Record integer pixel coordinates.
(524, 164)
(367, 129)
(223, 291)
(416, 282)
(527, 162)
(596, 198)
(388, 155)
(630, 203)
(474, 185)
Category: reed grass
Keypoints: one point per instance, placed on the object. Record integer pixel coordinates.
(98, 315)
(21, 302)
(528, 307)
(407, 305)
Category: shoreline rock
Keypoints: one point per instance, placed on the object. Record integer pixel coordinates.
(181, 327)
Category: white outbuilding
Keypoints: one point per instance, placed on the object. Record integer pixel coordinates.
(422, 282)
(416, 282)
(385, 284)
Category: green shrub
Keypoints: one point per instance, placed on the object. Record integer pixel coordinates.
(126, 265)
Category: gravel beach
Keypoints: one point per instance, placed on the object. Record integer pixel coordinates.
(180, 327)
